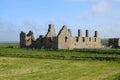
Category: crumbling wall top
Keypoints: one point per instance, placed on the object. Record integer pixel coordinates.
(51, 31)
(30, 33)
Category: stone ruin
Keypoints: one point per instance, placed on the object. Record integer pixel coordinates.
(64, 40)
(114, 42)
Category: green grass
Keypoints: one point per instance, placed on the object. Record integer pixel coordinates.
(15, 45)
(17, 52)
(37, 64)
(50, 69)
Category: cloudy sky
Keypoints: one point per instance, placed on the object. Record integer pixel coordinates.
(35, 15)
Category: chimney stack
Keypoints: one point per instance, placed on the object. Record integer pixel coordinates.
(79, 33)
(96, 34)
(87, 33)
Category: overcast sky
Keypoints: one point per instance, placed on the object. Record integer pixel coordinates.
(35, 15)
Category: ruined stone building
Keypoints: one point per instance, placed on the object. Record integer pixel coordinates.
(63, 40)
(114, 42)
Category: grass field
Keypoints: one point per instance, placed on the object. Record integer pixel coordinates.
(8, 44)
(55, 54)
(34, 64)
(50, 69)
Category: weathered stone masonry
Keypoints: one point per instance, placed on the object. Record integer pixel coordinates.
(64, 40)
(114, 42)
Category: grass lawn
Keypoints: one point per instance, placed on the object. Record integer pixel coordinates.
(50, 69)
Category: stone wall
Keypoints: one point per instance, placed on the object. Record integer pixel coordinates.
(26, 40)
(64, 40)
(114, 42)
